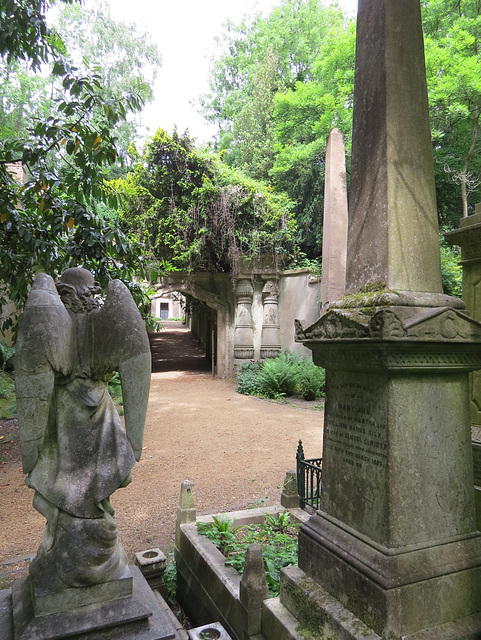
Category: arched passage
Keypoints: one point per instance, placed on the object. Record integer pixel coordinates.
(215, 290)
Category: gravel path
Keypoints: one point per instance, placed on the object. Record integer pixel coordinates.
(235, 449)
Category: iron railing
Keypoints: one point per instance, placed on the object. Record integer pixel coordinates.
(309, 478)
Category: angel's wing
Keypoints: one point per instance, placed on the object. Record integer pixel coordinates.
(44, 346)
(122, 344)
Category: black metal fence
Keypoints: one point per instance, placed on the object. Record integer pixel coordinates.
(309, 478)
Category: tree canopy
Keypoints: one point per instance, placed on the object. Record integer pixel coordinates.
(284, 81)
(194, 212)
(47, 219)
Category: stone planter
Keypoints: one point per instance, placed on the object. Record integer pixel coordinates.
(207, 589)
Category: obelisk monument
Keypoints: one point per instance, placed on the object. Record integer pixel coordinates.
(334, 226)
(395, 540)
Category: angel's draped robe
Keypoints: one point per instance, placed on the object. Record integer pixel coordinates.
(74, 448)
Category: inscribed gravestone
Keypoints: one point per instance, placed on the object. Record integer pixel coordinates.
(395, 539)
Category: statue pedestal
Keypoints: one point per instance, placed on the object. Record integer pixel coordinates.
(395, 540)
(138, 615)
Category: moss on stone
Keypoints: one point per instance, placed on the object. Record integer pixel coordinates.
(368, 298)
(312, 620)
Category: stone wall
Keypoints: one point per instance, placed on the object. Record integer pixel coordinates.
(255, 319)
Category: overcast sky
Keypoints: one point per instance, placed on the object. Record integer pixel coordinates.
(185, 32)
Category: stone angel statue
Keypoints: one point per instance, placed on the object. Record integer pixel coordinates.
(75, 450)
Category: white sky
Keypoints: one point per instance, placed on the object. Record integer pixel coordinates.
(185, 32)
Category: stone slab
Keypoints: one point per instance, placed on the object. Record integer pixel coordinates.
(140, 617)
(317, 613)
(400, 593)
(278, 623)
(304, 596)
(46, 603)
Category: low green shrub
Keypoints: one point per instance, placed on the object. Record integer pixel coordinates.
(451, 270)
(285, 375)
(278, 376)
(115, 391)
(6, 355)
(311, 379)
(8, 401)
(248, 382)
(170, 577)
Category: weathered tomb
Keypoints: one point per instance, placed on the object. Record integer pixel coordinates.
(395, 541)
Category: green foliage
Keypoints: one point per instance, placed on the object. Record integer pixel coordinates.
(196, 213)
(277, 536)
(283, 81)
(280, 86)
(285, 375)
(220, 531)
(8, 402)
(452, 43)
(248, 382)
(6, 354)
(280, 522)
(451, 270)
(278, 376)
(129, 59)
(115, 391)
(310, 379)
(24, 33)
(169, 578)
(47, 220)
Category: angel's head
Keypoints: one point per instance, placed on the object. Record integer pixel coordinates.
(78, 290)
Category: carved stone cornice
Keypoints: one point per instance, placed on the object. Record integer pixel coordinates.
(402, 356)
(442, 324)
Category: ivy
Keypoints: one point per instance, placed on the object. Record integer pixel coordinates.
(195, 212)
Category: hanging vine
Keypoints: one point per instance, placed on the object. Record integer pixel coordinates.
(202, 215)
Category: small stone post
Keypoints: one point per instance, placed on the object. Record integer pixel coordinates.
(186, 510)
(253, 589)
(289, 496)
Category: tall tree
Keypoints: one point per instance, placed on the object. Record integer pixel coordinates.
(263, 57)
(453, 60)
(47, 223)
(279, 88)
(123, 56)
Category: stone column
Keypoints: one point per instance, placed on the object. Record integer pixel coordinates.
(395, 541)
(334, 228)
(244, 331)
(271, 333)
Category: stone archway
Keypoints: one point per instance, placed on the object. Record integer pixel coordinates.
(215, 290)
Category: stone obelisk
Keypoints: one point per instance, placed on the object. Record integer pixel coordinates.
(334, 228)
(393, 228)
(395, 541)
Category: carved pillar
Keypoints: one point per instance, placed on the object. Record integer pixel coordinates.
(271, 335)
(244, 331)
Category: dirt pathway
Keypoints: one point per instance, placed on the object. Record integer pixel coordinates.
(234, 448)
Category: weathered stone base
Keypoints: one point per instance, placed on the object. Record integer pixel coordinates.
(139, 616)
(400, 592)
(320, 614)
